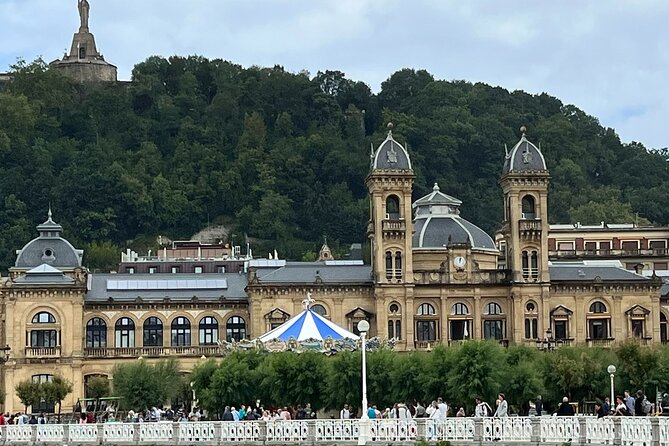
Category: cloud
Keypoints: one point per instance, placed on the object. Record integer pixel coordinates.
(607, 59)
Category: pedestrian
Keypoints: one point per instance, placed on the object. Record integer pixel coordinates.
(461, 412)
(420, 410)
(539, 405)
(371, 413)
(621, 407)
(502, 407)
(606, 406)
(565, 409)
(443, 409)
(345, 414)
(482, 409)
(630, 402)
(227, 414)
(599, 410)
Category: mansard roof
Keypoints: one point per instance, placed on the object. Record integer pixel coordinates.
(524, 157)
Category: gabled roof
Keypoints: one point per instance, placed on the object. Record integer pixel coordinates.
(44, 275)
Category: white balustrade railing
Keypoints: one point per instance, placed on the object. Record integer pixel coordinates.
(630, 431)
(664, 431)
(283, 431)
(636, 431)
(337, 430)
(461, 429)
(599, 430)
(507, 429)
(560, 429)
(201, 432)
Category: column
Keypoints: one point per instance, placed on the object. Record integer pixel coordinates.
(444, 319)
(477, 328)
(409, 324)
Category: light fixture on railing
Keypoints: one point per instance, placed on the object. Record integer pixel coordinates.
(548, 343)
(4, 358)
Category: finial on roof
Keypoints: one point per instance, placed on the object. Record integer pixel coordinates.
(506, 151)
(436, 187)
(390, 128)
(523, 130)
(48, 214)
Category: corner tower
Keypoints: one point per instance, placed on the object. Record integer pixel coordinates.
(390, 183)
(524, 182)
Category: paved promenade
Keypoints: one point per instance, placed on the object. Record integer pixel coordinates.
(624, 431)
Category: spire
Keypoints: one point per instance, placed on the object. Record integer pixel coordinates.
(49, 214)
(325, 253)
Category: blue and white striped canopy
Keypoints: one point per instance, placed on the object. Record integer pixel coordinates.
(307, 325)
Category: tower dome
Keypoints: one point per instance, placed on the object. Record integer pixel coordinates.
(438, 224)
(524, 157)
(49, 248)
(391, 155)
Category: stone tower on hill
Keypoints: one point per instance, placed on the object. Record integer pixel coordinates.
(85, 63)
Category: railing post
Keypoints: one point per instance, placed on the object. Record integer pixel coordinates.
(583, 426)
(421, 429)
(101, 433)
(218, 432)
(311, 432)
(478, 430)
(535, 438)
(135, 433)
(262, 432)
(176, 432)
(617, 431)
(655, 430)
(33, 434)
(66, 434)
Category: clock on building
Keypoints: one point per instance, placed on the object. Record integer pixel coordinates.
(459, 262)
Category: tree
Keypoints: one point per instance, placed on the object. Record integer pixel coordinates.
(55, 391)
(29, 392)
(98, 387)
(141, 386)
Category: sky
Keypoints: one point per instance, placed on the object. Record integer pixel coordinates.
(609, 58)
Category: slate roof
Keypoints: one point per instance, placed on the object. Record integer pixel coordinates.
(99, 292)
(391, 155)
(583, 273)
(44, 275)
(524, 157)
(49, 248)
(438, 224)
(311, 272)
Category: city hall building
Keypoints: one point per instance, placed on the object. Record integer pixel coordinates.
(435, 278)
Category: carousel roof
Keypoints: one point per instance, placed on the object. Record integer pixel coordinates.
(307, 325)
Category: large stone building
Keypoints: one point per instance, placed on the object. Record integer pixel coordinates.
(85, 63)
(435, 278)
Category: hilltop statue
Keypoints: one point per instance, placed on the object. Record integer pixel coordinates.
(84, 11)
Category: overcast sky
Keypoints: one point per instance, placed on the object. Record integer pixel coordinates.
(610, 58)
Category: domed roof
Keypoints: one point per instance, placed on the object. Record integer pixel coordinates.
(438, 224)
(524, 157)
(391, 155)
(49, 248)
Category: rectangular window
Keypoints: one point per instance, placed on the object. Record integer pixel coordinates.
(198, 270)
(630, 245)
(531, 328)
(460, 330)
(637, 328)
(131, 270)
(590, 246)
(565, 246)
(175, 269)
(561, 331)
(493, 329)
(220, 269)
(658, 266)
(43, 338)
(599, 328)
(604, 247)
(152, 270)
(426, 331)
(208, 336)
(125, 338)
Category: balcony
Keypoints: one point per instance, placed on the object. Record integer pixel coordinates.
(394, 225)
(607, 253)
(426, 345)
(42, 352)
(152, 352)
(530, 229)
(604, 343)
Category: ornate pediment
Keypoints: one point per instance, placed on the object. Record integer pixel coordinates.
(359, 313)
(638, 311)
(561, 311)
(277, 314)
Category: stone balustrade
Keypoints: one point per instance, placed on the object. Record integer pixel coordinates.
(623, 431)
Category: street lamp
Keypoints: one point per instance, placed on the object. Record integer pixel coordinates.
(363, 328)
(612, 372)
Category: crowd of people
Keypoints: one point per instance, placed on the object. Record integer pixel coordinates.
(22, 418)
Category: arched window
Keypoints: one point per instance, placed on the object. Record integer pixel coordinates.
(43, 317)
(529, 212)
(389, 265)
(82, 52)
(44, 337)
(392, 207)
(96, 333)
(125, 333)
(492, 308)
(459, 309)
(319, 310)
(534, 265)
(208, 331)
(426, 310)
(235, 328)
(526, 264)
(531, 307)
(494, 326)
(153, 332)
(180, 332)
(597, 307)
(599, 322)
(394, 308)
(531, 321)
(394, 321)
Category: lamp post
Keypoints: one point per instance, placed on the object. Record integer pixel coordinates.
(612, 373)
(363, 328)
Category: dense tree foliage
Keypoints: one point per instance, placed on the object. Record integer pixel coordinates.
(281, 157)
(140, 385)
(459, 374)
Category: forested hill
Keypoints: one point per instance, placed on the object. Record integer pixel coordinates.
(282, 156)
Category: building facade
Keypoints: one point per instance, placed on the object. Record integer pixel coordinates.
(435, 278)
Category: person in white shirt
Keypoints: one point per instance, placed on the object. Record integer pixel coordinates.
(502, 407)
(443, 408)
(432, 411)
(344, 414)
(481, 408)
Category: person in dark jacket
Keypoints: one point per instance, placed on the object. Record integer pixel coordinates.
(539, 405)
(638, 404)
(227, 414)
(565, 409)
(599, 410)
